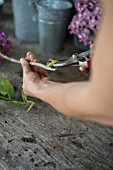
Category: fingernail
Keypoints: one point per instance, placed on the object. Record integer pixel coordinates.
(31, 55)
(21, 60)
(35, 60)
(28, 53)
(80, 68)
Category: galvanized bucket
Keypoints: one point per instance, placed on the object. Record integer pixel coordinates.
(72, 1)
(53, 18)
(25, 20)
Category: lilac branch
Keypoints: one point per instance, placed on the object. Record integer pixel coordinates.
(31, 63)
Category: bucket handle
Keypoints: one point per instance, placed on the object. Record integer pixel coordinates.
(34, 6)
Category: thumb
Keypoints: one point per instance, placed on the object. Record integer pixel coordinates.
(92, 46)
(85, 70)
(25, 66)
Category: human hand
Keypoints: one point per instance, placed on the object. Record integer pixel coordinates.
(32, 75)
(84, 69)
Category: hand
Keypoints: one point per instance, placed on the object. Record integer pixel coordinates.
(32, 75)
(84, 69)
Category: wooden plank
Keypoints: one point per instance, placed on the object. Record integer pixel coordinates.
(42, 139)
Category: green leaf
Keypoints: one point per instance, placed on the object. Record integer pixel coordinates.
(6, 87)
(2, 90)
(51, 62)
(24, 97)
(7, 91)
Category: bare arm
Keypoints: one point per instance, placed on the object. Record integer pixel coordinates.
(87, 100)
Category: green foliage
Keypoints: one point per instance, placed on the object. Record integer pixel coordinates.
(7, 93)
(6, 87)
(24, 97)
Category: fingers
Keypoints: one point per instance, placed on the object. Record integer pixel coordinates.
(92, 46)
(40, 70)
(31, 57)
(84, 70)
(25, 66)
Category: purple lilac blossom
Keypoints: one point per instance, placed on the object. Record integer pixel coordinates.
(5, 45)
(85, 22)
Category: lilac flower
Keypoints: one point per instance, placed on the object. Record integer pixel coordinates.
(5, 45)
(85, 23)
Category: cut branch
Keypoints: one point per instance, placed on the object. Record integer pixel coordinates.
(31, 63)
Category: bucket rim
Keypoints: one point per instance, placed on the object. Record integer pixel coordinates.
(52, 9)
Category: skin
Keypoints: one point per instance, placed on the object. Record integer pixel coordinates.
(85, 70)
(92, 100)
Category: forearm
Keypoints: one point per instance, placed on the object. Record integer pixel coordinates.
(75, 99)
(69, 98)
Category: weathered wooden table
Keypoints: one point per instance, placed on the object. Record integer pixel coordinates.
(44, 138)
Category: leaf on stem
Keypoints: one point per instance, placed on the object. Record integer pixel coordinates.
(7, 91)
(51, 62)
